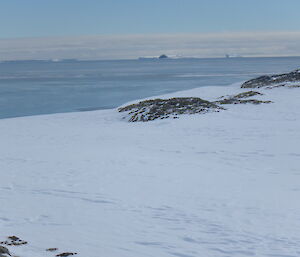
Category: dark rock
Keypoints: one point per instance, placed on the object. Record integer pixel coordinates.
(239, 99)
(283, 85)
(65, 254)
(164, 108)
(246, 101)
(14, 240)
(51, 249)
(264, 81)
(247, 94)
(4, 250)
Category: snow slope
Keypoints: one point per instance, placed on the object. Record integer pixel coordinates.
(214, 185)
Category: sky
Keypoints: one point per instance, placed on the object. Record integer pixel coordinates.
(91, 24)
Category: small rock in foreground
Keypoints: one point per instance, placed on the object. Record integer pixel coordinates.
(51, 249)
(4, 251)
(14, 240)
(65, 254)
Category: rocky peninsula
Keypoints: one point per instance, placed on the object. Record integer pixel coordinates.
(153, 109)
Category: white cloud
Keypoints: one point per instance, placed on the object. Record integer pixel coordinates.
(133, 46)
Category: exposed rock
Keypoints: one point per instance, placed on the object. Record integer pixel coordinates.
(245, 101)
(170, 108)
(264, 81)
(51, 249)
(275, 86)
(65, 254)
(247, 94)
(164, 108)
(4, 251)
(14, 240)
(284, 85)
(239, 99)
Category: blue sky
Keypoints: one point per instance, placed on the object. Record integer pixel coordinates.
(41, 18)
(121, 29)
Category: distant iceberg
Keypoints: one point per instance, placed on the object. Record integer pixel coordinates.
(163, 56)
(232, 56)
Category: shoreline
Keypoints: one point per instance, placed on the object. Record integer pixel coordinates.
(200, 185)
(163, 96)
(146, 59)
(57, 88)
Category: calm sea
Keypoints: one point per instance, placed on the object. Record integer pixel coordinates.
(42, 87)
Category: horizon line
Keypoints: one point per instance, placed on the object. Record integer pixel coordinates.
(145, 59)
(131, 46)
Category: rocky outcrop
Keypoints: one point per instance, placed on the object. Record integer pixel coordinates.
(4, 251)
(273, 80)
(171, 108)
(14, 241)
(164, 108)
(65, 254)
(242, 99)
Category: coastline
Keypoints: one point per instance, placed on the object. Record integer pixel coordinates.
(43, 88)
(211, 92)
(202, 185)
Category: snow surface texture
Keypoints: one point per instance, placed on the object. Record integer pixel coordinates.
(220, 184)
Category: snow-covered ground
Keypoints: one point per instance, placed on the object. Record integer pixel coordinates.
(213, 185)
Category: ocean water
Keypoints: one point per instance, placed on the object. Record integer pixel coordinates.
(44, 87)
